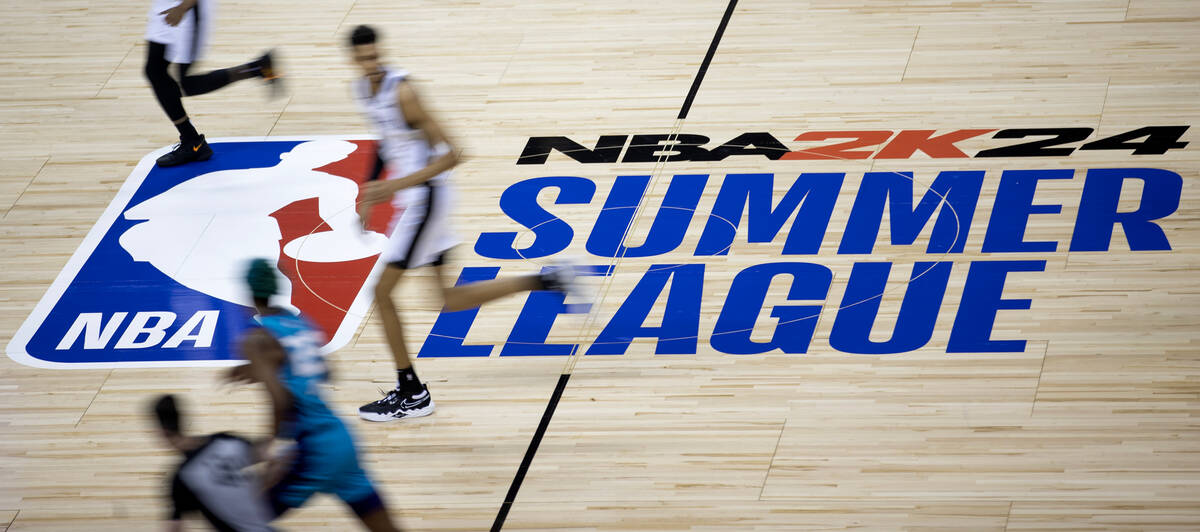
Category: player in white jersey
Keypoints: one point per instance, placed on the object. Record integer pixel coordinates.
(177, 33)
(416, 156)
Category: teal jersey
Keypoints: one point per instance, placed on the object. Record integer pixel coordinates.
(302, 374)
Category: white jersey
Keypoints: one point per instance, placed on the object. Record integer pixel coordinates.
(404, 149)
(421, 233)
(186, 41)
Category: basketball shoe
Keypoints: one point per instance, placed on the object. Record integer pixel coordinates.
(269, 71)
(185, 152)
(396, 404)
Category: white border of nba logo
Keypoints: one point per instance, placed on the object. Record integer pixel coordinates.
(16, 348)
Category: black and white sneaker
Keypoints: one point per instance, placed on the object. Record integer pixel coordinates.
(396, 405)
(560, 278)
(564, 277)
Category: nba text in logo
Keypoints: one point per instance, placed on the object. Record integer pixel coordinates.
(158, 281)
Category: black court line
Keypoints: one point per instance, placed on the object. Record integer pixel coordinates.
(511, 496)
(532, 450)
(712, 50)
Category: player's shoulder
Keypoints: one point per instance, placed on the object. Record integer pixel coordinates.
(295, 320)
(396, 74)
(225, 443)
(397, 81)
(276, 316)
(287, 323)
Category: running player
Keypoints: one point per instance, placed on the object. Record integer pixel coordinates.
(417, 156)
(284, 354)
(212, 479)
(177, 33)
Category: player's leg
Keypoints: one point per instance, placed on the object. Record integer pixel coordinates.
(475, 294)
(406, 248)
(437, 240)
(356, 490)
(191, 143)
(389, 314)
(410, 398)
(338, 456)
(305, 475)
(379, 521)
(290, 493)
(166, 90)
(197, 84)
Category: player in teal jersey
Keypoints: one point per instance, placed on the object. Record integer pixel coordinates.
(284, 354)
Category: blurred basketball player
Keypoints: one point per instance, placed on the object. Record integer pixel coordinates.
(284, 354)
(177, 33)
(417, 156)
(212, 478)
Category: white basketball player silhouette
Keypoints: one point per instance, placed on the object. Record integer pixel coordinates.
(203, 232)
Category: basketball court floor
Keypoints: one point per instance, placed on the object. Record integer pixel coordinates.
(884, 265)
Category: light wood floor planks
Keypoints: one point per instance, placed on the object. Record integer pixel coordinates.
(1093, 426)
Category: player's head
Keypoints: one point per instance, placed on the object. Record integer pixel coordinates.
(263, 283)
(365, 53)
(166, 411)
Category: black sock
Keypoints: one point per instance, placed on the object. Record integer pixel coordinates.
(408, 382)
(187, 133)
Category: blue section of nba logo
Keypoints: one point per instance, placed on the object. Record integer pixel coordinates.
(111, 282)
(114, 306)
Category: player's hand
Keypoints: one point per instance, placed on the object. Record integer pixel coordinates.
(376, 191)
(240, 375)
(175, 15)
(364, 213)
(262, 448)
(277, 467)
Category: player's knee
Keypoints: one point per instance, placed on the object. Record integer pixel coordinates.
(383, 295)
(367, 504)
(155, 73)
(453, 301)
(190, 87)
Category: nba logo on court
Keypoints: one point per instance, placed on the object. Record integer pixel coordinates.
(158, 281)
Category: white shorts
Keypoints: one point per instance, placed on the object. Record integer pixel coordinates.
(185, 42)
(422, 233)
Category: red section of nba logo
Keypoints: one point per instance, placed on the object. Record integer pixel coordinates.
(324, 291)
(357, 167)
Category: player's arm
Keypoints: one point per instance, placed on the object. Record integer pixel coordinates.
(266, 355)
(377, 170)
(363, 208)
(420, 119)
(182, 500)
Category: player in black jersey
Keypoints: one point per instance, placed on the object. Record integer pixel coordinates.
(213, 478)
(176, 34)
